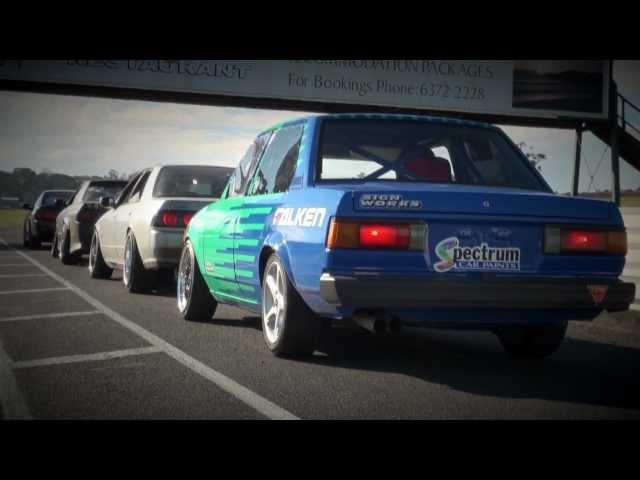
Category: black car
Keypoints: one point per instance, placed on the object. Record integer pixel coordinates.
(74, 225)
(40, 224)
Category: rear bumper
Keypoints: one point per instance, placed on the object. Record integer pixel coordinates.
(44, 229)
(386, 292)
(165, 247)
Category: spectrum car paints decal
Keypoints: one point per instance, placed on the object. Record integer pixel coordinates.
(479, 257)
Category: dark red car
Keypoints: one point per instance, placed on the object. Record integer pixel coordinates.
(40, 224)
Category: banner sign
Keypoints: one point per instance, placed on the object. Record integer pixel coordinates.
(526, 88)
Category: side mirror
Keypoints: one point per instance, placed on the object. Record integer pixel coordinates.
(26, 206)
(106, 202)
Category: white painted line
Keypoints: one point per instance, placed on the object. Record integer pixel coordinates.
(50, 315)
(91, 357)
(15, 265)
(252, 399)
(11, 400)
(25, 275)
(34, 290)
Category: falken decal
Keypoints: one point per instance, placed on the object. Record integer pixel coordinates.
(374, 200)
(598, 292)
(479, 257)
(299, 217)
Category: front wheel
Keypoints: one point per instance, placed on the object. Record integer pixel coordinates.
(98, 268)
(25, 236)
(195, 301)
(54, 246)
(66, 257)
(289, 327)
(533, 342)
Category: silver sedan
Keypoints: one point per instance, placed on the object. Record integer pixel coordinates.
(141, 233)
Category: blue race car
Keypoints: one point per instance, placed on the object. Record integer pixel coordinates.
(393, 220)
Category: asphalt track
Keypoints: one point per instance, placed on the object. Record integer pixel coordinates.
(76, 348)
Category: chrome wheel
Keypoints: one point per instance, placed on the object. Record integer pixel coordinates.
(273, 302)
(93, 252)
(185, 277)
(128, 257)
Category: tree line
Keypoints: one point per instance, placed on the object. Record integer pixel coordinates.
(25, 184)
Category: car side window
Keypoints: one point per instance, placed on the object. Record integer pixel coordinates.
(278, 164)
(136, 193)
(124, 193)
(240, 178)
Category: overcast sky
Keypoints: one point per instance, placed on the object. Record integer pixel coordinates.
(89, 136)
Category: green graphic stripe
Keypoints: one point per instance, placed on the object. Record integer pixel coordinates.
(246, 227)
(226, 272)
(222, 244)
(244, 273)
(228, 257)
(247, 212)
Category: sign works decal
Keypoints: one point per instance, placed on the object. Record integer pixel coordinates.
(299, 217)
(374, 200)
(480, 257)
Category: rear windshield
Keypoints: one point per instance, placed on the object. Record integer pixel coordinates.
(49, 198)
(411, 151)
(193, 182)
(95, 191)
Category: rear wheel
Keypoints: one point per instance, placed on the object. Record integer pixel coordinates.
(195, 301)
(33, 242)
(289, 327)
(97, 266)
(134, 276)
(66, 257)
(54, 246)
(532, 342)
(25, 235)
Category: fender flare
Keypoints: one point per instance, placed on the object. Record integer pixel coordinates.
(276, 242)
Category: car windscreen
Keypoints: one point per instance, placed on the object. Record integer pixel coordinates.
(95, 191)
(191, 182)
(49, 198)
(418, 151)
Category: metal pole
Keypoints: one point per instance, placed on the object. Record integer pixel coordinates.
(615, 158)
(576, 163)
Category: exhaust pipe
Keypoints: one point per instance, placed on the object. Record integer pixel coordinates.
(377, 321)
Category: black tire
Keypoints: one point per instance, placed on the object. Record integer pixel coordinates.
(97, 266)
(66, 257)
(33, 242)
(25, 236)
(300, 328)
(54, 246)
(532, 342)
(195, 303)
(138, 279)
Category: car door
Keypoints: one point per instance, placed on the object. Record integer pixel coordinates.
(220, 218)
(124, 213)
(107, 223)
(265, 193)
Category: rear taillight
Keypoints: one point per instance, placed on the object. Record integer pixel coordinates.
(385, 235)
(173, 218)
(46, 214)
(584, 240)
(169, 219)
